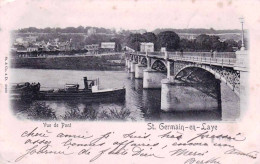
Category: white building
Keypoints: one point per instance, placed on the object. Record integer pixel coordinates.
(147, 47)
(163, 49)
(31, 38)
(19, 40)
(32, 48)
(92, 31)
(108, 45)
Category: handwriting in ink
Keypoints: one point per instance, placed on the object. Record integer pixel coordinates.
(62, 135)
(33, 133)
(186, 152)
(138, 151)
(234, 151)
(203, 135)
(132, 135)
(169, 135)
(213, 160)
(42, 150)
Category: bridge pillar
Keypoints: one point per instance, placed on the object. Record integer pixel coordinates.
(139, 68)
(152, 78)
(148, 61)
(242, 66)
(167, 84)
(166, 92)
(168, 64)
(132, 66)
(177, 96)
(128, 64)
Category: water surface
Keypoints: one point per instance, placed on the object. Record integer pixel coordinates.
(140, 104)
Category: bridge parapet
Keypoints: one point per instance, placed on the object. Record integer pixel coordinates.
(191, 54)
(204, 54)
(224, 59)
(242, 60)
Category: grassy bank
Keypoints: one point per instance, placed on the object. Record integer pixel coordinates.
(108, 62)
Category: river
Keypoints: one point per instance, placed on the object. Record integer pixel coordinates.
(139, 105)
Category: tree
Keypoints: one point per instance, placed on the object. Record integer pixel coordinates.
(80, 29)
(229, 44)
(47, 30)
(69, 30)
(168, 39)
(118, 46)
(203, 42)
(186, 45)
(134, 40)
(215, 43)
(96, 39)
(151, 37)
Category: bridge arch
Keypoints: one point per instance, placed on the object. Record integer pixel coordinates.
(136, 58)
(213, 72)
(159, 65)
(143, 61)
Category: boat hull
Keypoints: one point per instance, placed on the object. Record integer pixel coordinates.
(84, 95)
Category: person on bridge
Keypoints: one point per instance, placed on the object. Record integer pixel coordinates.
(215, 54)
(211, 53)
(181, 53)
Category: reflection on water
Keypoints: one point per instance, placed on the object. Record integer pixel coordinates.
(140, 104)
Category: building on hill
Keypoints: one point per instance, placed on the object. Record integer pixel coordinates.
(187, 36)
(64, 46)
(92, 48)
(31, 39)
(32, 48)
(92, 31)
(108, 46)
(19, 40)
(141, 31)
(20, 48)
(146, 47)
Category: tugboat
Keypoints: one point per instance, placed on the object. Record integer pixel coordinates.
(91, 92)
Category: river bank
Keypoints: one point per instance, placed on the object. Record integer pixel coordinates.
(104, 62)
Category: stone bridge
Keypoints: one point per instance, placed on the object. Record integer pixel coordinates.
(194, 80)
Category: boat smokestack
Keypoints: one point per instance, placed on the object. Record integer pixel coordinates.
(86, 82)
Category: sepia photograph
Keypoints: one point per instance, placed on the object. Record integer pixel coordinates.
(129, 81)
(169, 72)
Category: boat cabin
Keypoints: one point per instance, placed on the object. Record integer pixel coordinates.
(71, 87)
(88, 84)
(91, 84)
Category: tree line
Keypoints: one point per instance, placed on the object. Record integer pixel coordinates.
(173, 42)
(168, 39)
(79, 29)
(197, 30)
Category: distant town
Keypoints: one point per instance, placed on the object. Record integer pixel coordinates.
(36, 42)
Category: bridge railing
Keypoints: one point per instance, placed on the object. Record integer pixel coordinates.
(218, 58)
(208, 60)
(158, 53)
(192, 54)
(205, 54)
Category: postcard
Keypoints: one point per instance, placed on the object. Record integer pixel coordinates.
(130, 82)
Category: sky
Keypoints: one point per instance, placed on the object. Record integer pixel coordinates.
(131, 15)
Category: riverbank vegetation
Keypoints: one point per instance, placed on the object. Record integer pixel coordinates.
(42, 111)
(108, 62)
